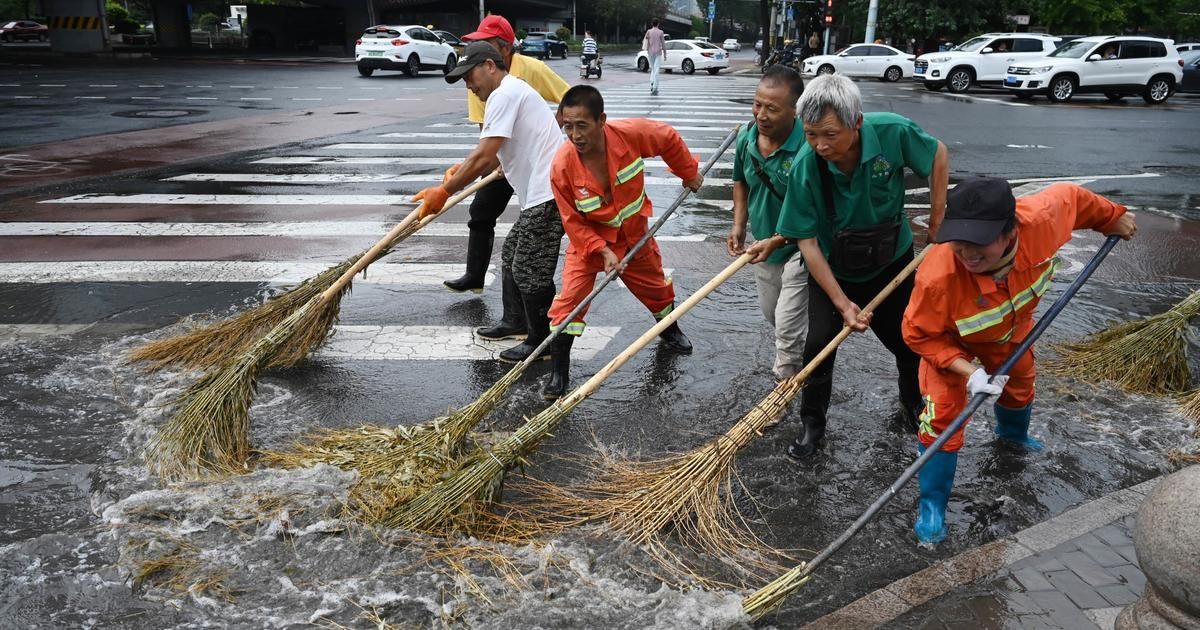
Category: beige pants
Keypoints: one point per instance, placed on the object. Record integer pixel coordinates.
(783, 297)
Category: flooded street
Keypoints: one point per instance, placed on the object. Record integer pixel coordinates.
(89, 538)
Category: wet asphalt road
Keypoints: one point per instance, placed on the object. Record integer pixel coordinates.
(90, 267)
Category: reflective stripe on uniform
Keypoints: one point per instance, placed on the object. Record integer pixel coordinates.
(927, 416)
(631, 171)
(993, 316)
(573, 328)
(627, 211)
(590, 204)
(666, 311)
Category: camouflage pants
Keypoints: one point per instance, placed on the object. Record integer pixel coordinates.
(531, 248)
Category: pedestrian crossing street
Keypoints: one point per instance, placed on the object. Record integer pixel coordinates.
(274, 218)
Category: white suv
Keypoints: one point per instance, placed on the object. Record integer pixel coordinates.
(409, 48)
(982, 59)
(1116, 66)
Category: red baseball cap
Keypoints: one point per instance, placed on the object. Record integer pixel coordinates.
(492, 26)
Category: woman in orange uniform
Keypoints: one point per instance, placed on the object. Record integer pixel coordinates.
(974, 299)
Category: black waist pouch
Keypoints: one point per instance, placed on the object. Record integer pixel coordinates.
(859, 250)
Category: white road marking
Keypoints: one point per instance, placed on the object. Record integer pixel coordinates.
(240, 200)
(1028, 146)
(149, 85)
(102, 85)
(144, 98)
(360, 99)
(53, 85)
(92, 98)
(201, 98)
(433, 161)
(294, 229)
(1078, 179)
(306, 99)
(283, 272)
(439, 343)
(419, 146)
(255, 98)
(676, 127)
(243, 87)
(287, 87)
(364, 178)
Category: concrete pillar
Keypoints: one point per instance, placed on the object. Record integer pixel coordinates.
(76, 26)
(171, 26)
(1168, 549)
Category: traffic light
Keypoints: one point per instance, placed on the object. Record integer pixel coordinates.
(828, 12)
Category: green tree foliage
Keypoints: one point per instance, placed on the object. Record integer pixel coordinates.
(955, 20)
(208, 21)
(119, 20)
(735, 18)
(620, 20)
(18, 9)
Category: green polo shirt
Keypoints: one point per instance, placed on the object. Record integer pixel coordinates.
(762, 206)
(873, 194)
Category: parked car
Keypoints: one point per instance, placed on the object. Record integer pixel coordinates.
(688, 55)
(1182, 48)
(411, 48)
(1191, 72)
(24, 30)
(982, 59)
(450, 38)
(732, 45)
(1116, 66)
(863, 60)
(543, 46)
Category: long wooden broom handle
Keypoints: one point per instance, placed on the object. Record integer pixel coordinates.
(386, 241)
(830, 347)
(593, 383)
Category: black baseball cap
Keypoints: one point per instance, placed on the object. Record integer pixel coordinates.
(474, 54)
(977, 210)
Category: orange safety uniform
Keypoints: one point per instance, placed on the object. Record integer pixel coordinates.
(593, 222)
(954, 313)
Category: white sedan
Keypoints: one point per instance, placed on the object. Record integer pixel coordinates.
(410, 48)
(688, 55)
(732, 45)
(863, 60)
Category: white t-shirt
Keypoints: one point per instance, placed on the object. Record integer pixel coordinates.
(517, 112)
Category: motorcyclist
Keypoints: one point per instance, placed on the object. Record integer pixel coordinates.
(590, 50)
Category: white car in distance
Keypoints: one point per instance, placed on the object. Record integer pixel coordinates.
(732, 45)
(411, 49)
(688, 56)
(863, 60)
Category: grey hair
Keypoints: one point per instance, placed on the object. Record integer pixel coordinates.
(831, 92)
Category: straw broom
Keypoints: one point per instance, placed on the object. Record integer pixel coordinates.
(218, 342)
(210, 430)
(1147, 356)
(1189, 405)
(691, 493)
(453, 502)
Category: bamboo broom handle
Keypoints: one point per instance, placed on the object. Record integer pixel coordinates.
(386, 241)
(593, 383)
(830, 347)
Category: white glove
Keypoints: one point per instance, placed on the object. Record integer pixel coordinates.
(978, 383)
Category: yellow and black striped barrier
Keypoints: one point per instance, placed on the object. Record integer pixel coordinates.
(75, 22)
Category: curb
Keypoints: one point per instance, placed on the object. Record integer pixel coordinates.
(899, 597)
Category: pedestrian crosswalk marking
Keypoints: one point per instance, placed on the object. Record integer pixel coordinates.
(240, 200)
(365, 178)
(273, 272)
(435, 161)
(676, 127)
(440, 343)
(292, 229)
(420, 146)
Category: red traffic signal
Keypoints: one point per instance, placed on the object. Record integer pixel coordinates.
(828, 12)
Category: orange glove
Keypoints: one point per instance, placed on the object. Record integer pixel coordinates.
(450, 173)
(433, 198)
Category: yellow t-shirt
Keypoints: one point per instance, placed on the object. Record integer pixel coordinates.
(538, 75)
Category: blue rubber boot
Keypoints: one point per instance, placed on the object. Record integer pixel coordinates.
(1012, 425)
(935, 478)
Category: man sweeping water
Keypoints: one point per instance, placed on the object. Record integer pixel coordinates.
(518, 132)
(597, 177)
(974, 299)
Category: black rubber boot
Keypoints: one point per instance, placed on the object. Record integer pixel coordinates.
(812, 440)
(479, 253)
(512, 321)
(675, 339)
(537, 326)
(560, 370)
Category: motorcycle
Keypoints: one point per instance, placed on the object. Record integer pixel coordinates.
(789, 55)
(588, 68)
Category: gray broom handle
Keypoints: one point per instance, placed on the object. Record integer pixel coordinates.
(612, 275)
(976, 400)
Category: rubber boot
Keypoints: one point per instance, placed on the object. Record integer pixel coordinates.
(811, 441)
(675, 339)
(560, 370)
(1012, 425)
(936, 479)
(512, 321)
(537, 322)
(479, 253)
